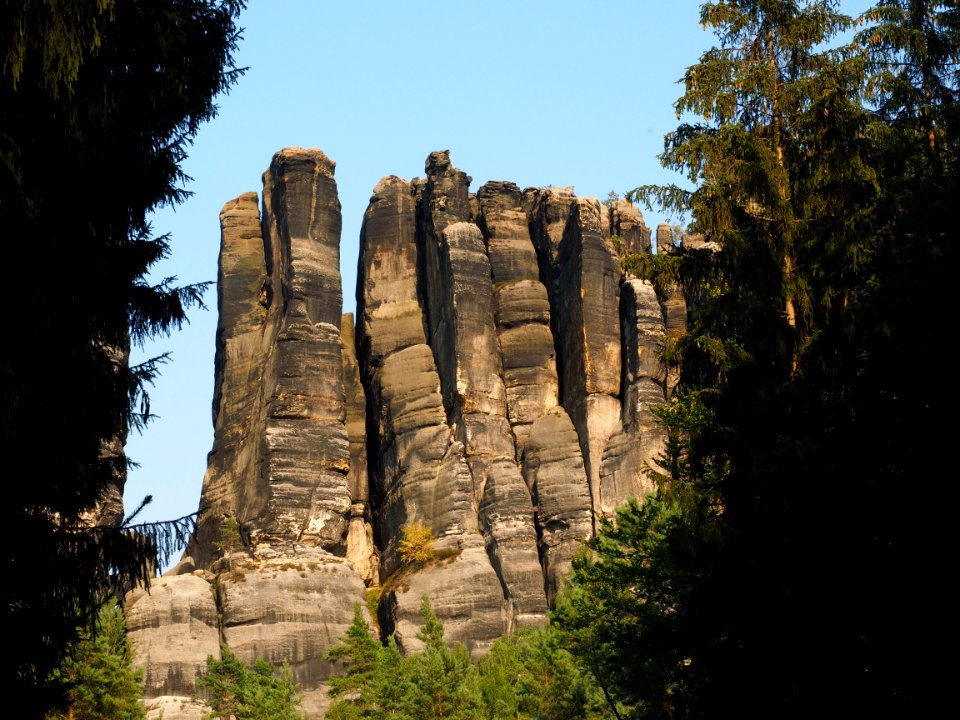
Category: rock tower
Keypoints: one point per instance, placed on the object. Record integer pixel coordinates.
(494, 388)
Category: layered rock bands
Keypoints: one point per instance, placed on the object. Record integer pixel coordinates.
(494, 388)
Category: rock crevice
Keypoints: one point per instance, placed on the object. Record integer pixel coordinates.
(496, 386)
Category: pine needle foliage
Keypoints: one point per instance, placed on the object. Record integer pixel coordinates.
(777, 571)
(99, 102)
(528, 676)
(234, 690)
(98, 673)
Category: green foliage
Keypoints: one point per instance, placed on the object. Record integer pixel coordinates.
(526, 676)
(764, 582)
(531, 675)
(230, 539)
(99, 676)
(630, 603)
(373, 595)
(442, 681)
(359, 654)
(98, 104)
(234, 690)
(416, 548)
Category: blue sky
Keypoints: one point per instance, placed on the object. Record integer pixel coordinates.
(539, 93)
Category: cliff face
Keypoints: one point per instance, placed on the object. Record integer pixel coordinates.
(495, 388)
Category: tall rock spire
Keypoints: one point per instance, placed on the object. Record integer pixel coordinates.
(494, 389)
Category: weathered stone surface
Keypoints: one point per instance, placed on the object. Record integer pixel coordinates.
(530, 376)
(290, 607)
(241, 302)
(464, 339)
(588, 298)
(361, 550)
(445, 197)
(284, 465)
(389, 311)
(246, 332)
(664, 238)
(644, 332)
(506, 516)
(175, 707)
(460, 590)
(632, 452)
(307, 211)
(424, 477)
(497, 390)
(521, 308)
(626, 222)
(674, 304)
(281, 453)
(522, 302)
(548, 211)
(305, 448)
(554, 471)
(698, 241)
(506, 233)
(172, 629)
(417, 471)
(462, 333)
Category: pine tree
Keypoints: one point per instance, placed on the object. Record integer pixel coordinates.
(361, 657)
(835, 251)
(529, 675)
(442, 681)
(235, 691)
(98, 104)
(99, 676)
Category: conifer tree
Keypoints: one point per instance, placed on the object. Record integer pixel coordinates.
(99, 102)
(816, 176)
(234, 690)
(99, 676)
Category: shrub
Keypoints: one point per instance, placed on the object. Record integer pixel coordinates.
(416, 548)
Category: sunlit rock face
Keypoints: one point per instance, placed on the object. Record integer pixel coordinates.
(495, 386)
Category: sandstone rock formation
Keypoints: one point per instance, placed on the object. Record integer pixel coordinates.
(494, 387)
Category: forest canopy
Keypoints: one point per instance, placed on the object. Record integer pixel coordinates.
(99, 102)
(784, 565)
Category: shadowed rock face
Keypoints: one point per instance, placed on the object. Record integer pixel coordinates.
(496, 387)
(282, 468)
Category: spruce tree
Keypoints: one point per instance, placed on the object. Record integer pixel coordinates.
(98, 674)
(817, 178)
(99, 102)
(234, 690)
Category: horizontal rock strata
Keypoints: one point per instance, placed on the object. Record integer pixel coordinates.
(495, 390)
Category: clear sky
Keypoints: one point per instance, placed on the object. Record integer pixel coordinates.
(540, 93)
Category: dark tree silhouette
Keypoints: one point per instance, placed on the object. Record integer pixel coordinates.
(99, 102)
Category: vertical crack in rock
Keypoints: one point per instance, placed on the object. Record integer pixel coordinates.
(674, 304)
(633, 450)
(246, 334)
(418, 470)
(410, 445)
(553, 469)
(305, 449)
(464, 340)
(280, 467)
(547, 214)
(521, 307)
(588, 290)
(626, 222)
(497, 389)
(522, 312)
(361, 550)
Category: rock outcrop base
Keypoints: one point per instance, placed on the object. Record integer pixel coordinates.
(495, 387)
